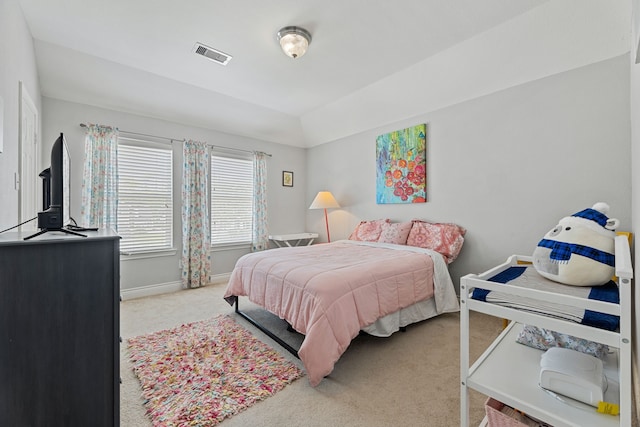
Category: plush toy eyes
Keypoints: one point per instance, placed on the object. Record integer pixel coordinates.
(567, 229)
(556, 230)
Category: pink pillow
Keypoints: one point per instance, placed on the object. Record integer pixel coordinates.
(368, 231)
(446, 239)
(395, 232)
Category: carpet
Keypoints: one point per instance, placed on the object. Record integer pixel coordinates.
(200, 373)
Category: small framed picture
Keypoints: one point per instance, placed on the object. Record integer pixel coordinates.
(287, 179)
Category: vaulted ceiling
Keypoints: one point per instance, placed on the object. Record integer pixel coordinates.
(137, 56)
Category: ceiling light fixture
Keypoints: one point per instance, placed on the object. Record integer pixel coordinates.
(294, 41)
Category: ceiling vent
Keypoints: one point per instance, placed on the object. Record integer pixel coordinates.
(214, 55)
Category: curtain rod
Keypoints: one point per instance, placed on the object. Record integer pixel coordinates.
(171, 140)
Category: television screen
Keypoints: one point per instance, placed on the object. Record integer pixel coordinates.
(56, 193)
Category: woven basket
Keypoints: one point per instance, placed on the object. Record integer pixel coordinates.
(497, 418)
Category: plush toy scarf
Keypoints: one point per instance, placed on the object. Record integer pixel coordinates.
(561, 252)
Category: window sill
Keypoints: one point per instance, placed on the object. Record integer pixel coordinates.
(230, 247)
(147, 254)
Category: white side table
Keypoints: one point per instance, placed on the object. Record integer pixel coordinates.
(291, 240)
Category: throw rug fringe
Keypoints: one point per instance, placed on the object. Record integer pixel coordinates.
(200, 373)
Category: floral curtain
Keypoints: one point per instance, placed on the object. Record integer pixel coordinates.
(100, 177)
(260, 237)
(196, 240)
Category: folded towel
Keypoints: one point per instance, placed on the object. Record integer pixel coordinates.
(528, 277)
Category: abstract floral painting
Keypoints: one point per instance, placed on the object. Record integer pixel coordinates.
(401, 166)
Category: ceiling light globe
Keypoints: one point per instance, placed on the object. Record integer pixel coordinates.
(294, 41)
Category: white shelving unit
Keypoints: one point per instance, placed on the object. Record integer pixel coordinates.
(508, 371)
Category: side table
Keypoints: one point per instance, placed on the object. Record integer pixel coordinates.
(291, 240)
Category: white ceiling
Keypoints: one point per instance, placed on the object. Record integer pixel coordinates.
(137, 56)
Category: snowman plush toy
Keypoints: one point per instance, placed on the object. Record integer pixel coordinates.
(579, 251)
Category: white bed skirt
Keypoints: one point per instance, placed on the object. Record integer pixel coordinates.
(387, 325)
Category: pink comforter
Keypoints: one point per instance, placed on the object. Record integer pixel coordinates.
(329, 292)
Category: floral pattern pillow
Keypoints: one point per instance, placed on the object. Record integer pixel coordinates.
(395, 232)
(445, 238)
(544, 339)
(368, 231)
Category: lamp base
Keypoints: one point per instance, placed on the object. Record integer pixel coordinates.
(326, 222)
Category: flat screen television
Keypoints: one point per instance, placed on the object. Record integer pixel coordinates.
(56, 191)
(56, 215)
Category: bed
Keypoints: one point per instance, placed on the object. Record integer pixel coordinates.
(330, 292)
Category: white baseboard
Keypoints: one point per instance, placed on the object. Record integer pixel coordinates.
(220, 278)
(165, 288)
(150, 290)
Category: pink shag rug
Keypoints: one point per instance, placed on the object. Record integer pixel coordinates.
(200, 373)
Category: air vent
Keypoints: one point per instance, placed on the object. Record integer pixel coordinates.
(214, 55)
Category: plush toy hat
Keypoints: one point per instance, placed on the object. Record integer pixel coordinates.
(579, 250)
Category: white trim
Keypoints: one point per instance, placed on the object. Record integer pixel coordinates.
(126, 256)
(219, 278)
(29, 196)
(150, 290)
(223, 247)
(165, 288)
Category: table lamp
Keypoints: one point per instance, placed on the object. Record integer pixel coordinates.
(325, 200)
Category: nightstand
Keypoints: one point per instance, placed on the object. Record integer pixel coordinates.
(290, 240)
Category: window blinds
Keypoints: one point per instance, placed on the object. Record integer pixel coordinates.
(145, 201)
(231, 200)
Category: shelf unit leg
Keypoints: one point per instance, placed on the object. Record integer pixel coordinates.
(464, 357)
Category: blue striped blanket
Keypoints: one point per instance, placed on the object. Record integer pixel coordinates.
(528, 277)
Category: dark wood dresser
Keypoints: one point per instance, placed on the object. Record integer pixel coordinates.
(59, 330)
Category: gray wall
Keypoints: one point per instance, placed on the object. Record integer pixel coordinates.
(17, 64)
(286, 204)
(506, 166)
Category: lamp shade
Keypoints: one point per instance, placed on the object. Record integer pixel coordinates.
(324, 200)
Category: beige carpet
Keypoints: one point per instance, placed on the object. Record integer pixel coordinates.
(408, 379)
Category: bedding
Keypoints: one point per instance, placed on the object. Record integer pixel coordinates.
(369, 231)
(396, 232)
(444, 238)
(528, 277)
(330, 292)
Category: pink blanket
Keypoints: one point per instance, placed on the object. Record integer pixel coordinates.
(329, 292)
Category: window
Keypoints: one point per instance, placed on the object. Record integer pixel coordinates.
(231, 200)
(145, 196)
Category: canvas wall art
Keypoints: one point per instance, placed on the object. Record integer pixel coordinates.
(401, 166)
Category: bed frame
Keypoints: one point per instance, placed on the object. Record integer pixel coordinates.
(273, 336)
(265, 330)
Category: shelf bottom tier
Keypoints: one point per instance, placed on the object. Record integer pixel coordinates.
(509, 372)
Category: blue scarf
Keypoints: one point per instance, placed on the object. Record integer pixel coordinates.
(561, 252)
